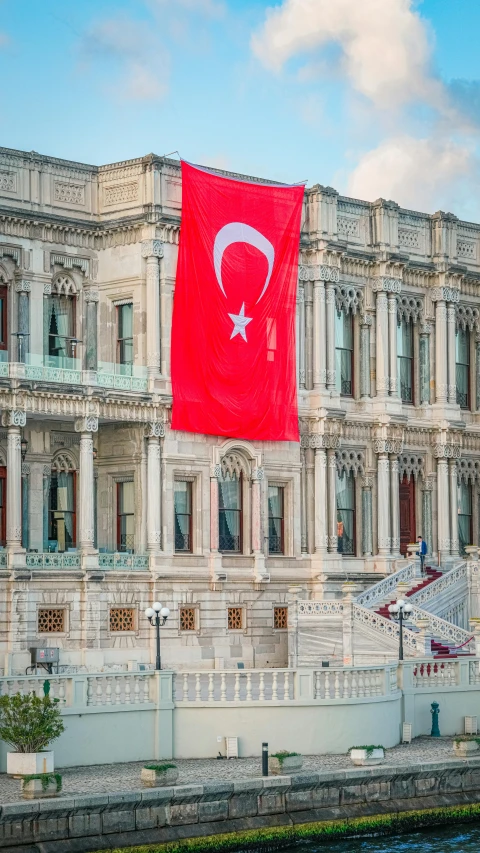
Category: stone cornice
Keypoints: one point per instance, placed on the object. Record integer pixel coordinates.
(74, 406)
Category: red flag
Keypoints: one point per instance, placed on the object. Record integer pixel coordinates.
(233, 330)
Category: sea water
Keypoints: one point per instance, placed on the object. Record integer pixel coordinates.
(462, 838)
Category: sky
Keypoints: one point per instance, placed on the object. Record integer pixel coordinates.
(377, 98)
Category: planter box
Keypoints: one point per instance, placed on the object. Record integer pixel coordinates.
(154, 779)
(292, 764)
(29, 763)
(362, 758)
(464, 748)
(34, 790)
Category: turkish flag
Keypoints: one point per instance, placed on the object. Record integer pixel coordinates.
(233, 330)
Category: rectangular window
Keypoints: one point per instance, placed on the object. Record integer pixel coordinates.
(125, 335)
(3, 506)
(122, 619)
(280, 617)
(3, 318)
(235, 618)
(183, 515)
(344, 353)
(125, 516)
(230, 514)
(60, 322)
(275, 520)
(346, 513)
(51, 620)
(187, 619)
(464, 495)
(62, 516)
(463, 368)
(405, 360)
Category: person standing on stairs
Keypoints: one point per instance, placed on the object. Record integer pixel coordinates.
(422, 553)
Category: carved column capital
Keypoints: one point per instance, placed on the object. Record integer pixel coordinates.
(87, 424)
(387, 284)
(155, 429)
(152, 249)
(91, 295)
(14, 418)
(23, 286)
(258, 474)
(445, 294)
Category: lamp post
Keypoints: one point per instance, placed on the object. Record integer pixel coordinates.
(157, 616)
(400, 611)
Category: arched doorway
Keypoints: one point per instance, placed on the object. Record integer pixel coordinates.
(408, 528)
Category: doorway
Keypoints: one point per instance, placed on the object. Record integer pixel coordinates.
(408, 529)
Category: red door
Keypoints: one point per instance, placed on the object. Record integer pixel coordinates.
(408, 532)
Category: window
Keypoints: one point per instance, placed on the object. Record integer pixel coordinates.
(275, 520)
(60, 321)
(230, 513)
(62, 517)
(3, 506)
(280, 617)
(235, 618)
(463, 368)
(405, 360)
(3, 317)
(464, 493)
(122, 619)
(51, 620)
(125, 516)
(183, 515)
(344, 353)
(125, 334)
(345, 513)
(187, 619)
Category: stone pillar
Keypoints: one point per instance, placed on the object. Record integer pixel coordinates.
(477, 372)
(46, 496)
(303, 501)
(395, 505)
(301, 346)
(441, 382)
(367, 532)
(452, 470)
(381, 348)
(321, 535)
(319, 336)
(366, 322)
(444, 541)
(14, 420)
(332, 501)
(310, 489)
(215, 474)
(154, 486)
(23, 326)
(452, 354)
(91, 302)
(25, 504)
(308, 335)
(330, 315)
(257, 479)
(152, 250)
(425, 330)
(392, 344)
(427, 530)
(383, 510)
(86, 427)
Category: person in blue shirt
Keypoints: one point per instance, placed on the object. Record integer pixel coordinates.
(422, 552)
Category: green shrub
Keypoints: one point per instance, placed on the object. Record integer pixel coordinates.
(160, 768)
(465, 738)
(45, 778)
(369, 749)
(283, 754)
(29, 723)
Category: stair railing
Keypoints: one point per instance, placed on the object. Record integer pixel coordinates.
(387, 586)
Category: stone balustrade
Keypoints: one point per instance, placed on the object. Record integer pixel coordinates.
(69, 371)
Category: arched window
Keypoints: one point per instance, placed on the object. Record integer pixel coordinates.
(405, 360)
(344, 352)
(345, 487)
(60, 339)
(463, 368)
(62, 526)
(230, 506)
(464, 497)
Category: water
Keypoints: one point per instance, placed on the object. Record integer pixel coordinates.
(456, 839)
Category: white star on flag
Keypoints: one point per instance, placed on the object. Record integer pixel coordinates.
(240, 322)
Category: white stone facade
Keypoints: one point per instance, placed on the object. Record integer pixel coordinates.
(79, 242)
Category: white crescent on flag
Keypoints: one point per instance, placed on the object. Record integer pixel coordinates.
(240, 232)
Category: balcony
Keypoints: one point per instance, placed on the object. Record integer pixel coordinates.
(68, 371)
(73, 560)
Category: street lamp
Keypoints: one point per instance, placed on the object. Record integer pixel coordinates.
(400, 611)
(157, 615)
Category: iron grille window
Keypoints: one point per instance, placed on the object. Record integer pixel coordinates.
(183, 515)
(125, 334)
(463, 368)
(344, 353)
(345, 513)
(122, 619)
(405, 360)
(235, 618)
(276, 519)
(187, 619)
(62, 515)
(280, 617)
(230, 513)
(51, 620)
(125, 516)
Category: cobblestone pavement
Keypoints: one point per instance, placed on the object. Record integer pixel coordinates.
(109, 778)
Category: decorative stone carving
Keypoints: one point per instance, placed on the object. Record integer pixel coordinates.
(366, 320)
(152, 248)
(61, 462)
(258, 474)
(25, 468)
(69, 262)
(23, 286)
(155, 429)
(425, 329)
(409, 308)
(392, 446)
(118, 193)
(14, 418)
(445, 294)
(467, 317)
(47, 288)
(69, 193)
(348, 298)
(387, 284)
(411, 464)
(87, 424)
(469, 470)
(409, 238)
(320, 272)
(215, 472)
(348, 227)
(327, 441)
(447, 451)
(63, 285)
(466, 248)
(233, 465)
(91, 295)
(8, 182)
(351, 461)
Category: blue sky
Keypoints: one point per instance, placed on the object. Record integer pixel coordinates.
(373, 97)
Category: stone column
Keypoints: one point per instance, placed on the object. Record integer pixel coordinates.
(152, 250)
(330, 316)
(392, 344)
(215, 474)
(383, 510)
(14, 420)
(477, 372)
(452, 470)
(303, 500)
(23, 326)
(91, 302)
(452, 354)
(321, 535)
(366, 322)
(301, 342)
(308, 335)
(86, 427)
(367, 532)
(257, 480)
(46, 494)
(444, 541)
(319, 336)
(441, 382)
(427, 530)
(381, 347)
(310, 489)
(395, 505)
(425, 330)
(332, 501)
(153, 433)
(25, 504)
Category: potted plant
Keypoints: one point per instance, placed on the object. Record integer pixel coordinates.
(463, 746)
(29, 724)
(283, 762)
(41, 785)
(159, 775)
(366, 755)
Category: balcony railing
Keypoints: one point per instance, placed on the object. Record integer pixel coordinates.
(72, 560)
(68, 371)
(123, 561)
(47, 560)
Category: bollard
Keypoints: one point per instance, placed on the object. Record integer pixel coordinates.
(264, 759)
(435, 710)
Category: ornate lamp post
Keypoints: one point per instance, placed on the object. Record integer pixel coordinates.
(400, 611)
(157, 616)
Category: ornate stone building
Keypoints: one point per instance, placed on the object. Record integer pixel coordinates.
(104, 509)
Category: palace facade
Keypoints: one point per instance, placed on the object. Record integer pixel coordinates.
(104, 509)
